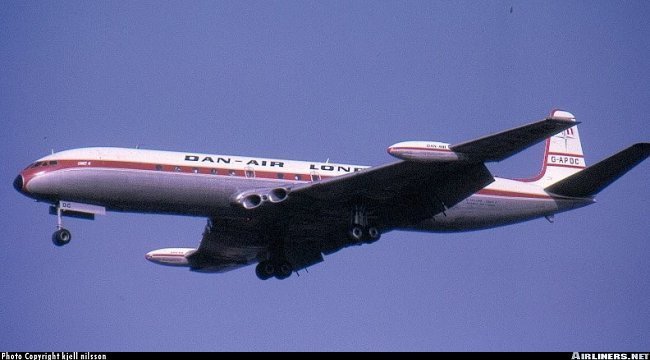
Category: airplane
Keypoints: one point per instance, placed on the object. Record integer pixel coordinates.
(285, 215)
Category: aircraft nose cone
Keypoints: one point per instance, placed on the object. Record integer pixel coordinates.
(18, 183)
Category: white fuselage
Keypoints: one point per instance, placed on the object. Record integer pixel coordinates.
(195, 184)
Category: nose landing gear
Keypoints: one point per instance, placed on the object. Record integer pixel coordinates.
(61, 236)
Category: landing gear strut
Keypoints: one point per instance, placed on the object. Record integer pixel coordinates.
(61, 236)
(361, 231)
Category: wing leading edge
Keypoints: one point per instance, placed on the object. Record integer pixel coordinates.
(502, 145)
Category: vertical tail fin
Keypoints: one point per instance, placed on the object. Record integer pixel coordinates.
(563, 156)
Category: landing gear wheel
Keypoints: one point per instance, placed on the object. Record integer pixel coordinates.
(61, 237)
(356, 233)
(265, 270)
(283, 270)
(373, 235)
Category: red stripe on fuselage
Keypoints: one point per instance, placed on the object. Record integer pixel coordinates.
(419, 148)
(567, 166)
(29, 173)
(505, 193)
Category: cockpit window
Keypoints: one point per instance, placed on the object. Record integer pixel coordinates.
(42, 163)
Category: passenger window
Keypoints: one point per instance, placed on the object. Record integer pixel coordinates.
(159, 167)
(280, 175)
(231, 172)
(250, 173)
(297, 177)
(177, 168)
(53, 162)
(195, 170)
(213, 171)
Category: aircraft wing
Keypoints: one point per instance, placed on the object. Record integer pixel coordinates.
(396, 191)
(229, 245)
(226, 245)
(315, 217)
(504, 144)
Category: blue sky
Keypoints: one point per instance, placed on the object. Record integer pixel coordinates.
(311, 81)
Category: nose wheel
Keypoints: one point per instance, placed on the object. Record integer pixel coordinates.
(61, 236)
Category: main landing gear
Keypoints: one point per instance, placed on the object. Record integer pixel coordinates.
(61, 236)
(361, 231)
(276, 265)
(279, 269)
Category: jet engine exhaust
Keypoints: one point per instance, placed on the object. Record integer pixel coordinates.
(277, 195)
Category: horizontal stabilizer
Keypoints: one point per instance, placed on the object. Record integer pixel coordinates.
(502, 145)
(593, 179)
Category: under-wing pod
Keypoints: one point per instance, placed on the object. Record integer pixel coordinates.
(424, 151)
(170, 256)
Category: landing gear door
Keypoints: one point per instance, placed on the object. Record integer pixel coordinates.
(82, 208)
